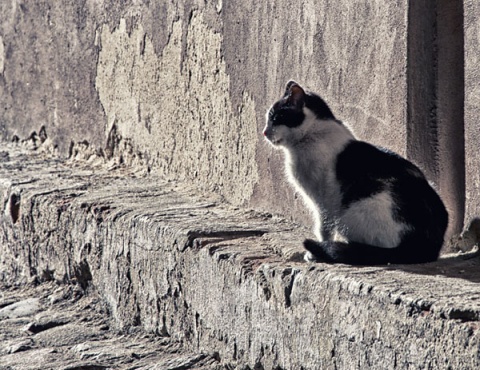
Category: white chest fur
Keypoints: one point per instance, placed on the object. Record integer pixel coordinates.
(310, 165)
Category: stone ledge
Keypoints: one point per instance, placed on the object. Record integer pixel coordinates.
(221, 279)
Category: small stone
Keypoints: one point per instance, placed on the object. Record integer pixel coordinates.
(20, 346)
(23, 308)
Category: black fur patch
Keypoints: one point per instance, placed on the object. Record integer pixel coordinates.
(286, 115)
(364, 170)
(353, 253)
(317, 105)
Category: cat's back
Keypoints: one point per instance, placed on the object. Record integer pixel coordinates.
(359, 159)
(364, 170)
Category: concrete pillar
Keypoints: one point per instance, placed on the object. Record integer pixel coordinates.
(472, 116)
(435, 124)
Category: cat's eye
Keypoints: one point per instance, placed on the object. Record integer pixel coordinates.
(276, 117)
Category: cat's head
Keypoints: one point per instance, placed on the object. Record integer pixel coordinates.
(290, 119)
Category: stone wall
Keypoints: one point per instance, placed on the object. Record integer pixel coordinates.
(181, 87)
(159, 106)
(472, 114)
(171, 262)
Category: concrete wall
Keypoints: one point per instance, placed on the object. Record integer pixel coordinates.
(181, 87)
(472, 114)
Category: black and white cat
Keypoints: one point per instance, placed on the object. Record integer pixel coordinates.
(371, 206)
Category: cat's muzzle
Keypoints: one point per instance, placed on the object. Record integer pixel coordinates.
(269, 135)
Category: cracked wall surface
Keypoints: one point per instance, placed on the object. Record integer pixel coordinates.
(181, 87)
(178, 112)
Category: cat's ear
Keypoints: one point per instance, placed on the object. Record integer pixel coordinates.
(289, 84)
(294, 95)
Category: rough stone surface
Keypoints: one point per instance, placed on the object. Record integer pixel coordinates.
(68, 328)
(158, 107)
(223, 280)
(183, 86)
(472, 114)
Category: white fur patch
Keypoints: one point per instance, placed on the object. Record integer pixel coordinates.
(308, 257)
(310, 165)
(370, 221)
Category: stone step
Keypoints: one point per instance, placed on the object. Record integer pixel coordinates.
(61, 326)
(185, 265)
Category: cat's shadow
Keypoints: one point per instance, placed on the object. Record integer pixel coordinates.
(464, 266)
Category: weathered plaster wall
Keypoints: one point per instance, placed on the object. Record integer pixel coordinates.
(181, 87)
(49, 72)
(187, 84)
(472, 114)
(178, 112)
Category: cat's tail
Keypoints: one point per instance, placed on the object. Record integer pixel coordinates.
(354, 253)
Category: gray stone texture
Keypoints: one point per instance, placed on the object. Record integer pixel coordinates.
(138, 155)
(472, 114)
(435, 121)
(221, 279)
(182, 86)
(185, 86)
(68, 328)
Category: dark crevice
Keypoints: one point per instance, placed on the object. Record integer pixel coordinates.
(422, 137)
(450, 101)
(86, 367)
(14, 207)
(82, 274)
(463, 315)
(196, 239)
(290, 275)
(37, 327)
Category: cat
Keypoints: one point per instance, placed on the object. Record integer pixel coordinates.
(370, 205)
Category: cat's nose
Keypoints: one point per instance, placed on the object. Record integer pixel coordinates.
(265, 132)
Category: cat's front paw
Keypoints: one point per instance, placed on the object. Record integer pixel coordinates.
(314, 250)
(309, 257)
